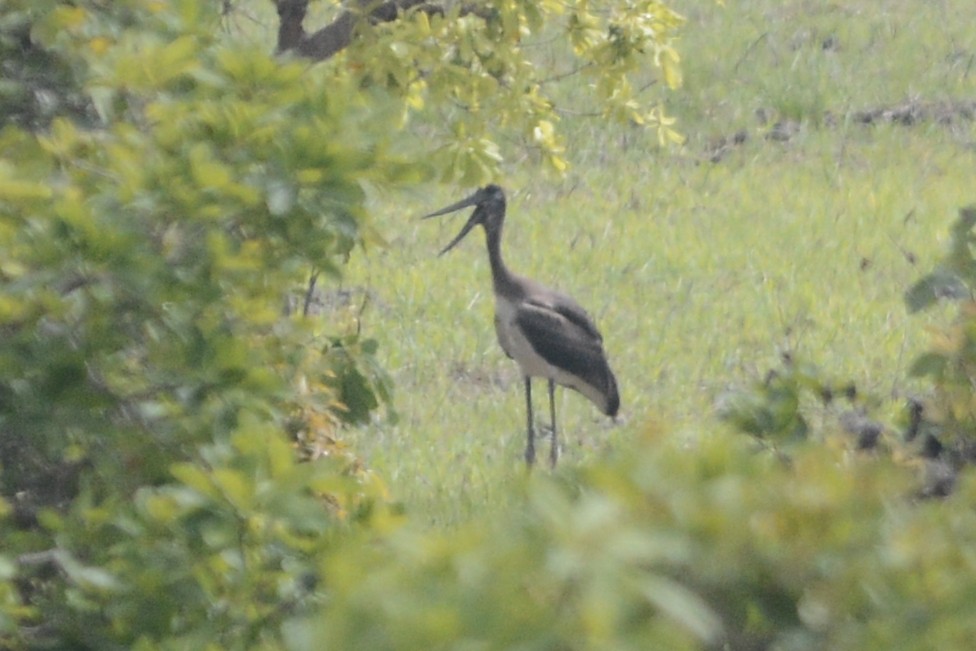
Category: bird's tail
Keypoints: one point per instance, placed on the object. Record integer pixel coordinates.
(612, 405)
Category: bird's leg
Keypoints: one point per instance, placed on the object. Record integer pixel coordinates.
(554, 450)
(530, 446)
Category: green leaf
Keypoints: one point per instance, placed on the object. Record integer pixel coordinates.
(235, 487)
(682, 605)
(931, 364)
(15, 190)
(940, 284)
(87, 577)
(194, 477)
(207, 171)
(281, 197)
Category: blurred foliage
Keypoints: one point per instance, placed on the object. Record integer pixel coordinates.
(771, 411)
(797, 403)
(950, 362)
(37, 84)
(673, 546)
(955, 277)
(169, 435)
(937, 432)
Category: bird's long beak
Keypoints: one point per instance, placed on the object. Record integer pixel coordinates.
(472, 220)
(463, 203)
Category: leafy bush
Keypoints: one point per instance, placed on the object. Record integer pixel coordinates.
(938, 432)
(709, 545)
(150, 383)
(951, 362)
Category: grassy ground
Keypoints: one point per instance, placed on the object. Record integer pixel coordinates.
(828, 149)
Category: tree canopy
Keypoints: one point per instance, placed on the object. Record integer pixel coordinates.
(471, 65)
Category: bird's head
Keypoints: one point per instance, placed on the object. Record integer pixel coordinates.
(489, 211)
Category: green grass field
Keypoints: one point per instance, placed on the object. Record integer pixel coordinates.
(701, 265)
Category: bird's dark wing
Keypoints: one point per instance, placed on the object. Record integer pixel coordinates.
(566, 337)
(567, 307)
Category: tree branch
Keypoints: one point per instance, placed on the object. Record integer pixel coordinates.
(291, 15)
(338, 34)
(40, 559)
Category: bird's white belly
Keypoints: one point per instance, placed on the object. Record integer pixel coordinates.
(514, 343)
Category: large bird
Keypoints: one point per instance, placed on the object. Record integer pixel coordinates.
(545, 331)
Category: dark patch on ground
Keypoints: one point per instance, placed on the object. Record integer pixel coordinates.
(916, 111)
(719, 148)
(910, 113)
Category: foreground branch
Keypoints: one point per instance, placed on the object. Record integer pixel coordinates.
(338, 34)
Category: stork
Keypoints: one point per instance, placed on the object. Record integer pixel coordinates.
(545, 331)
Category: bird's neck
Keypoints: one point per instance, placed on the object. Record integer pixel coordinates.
(501, 277)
